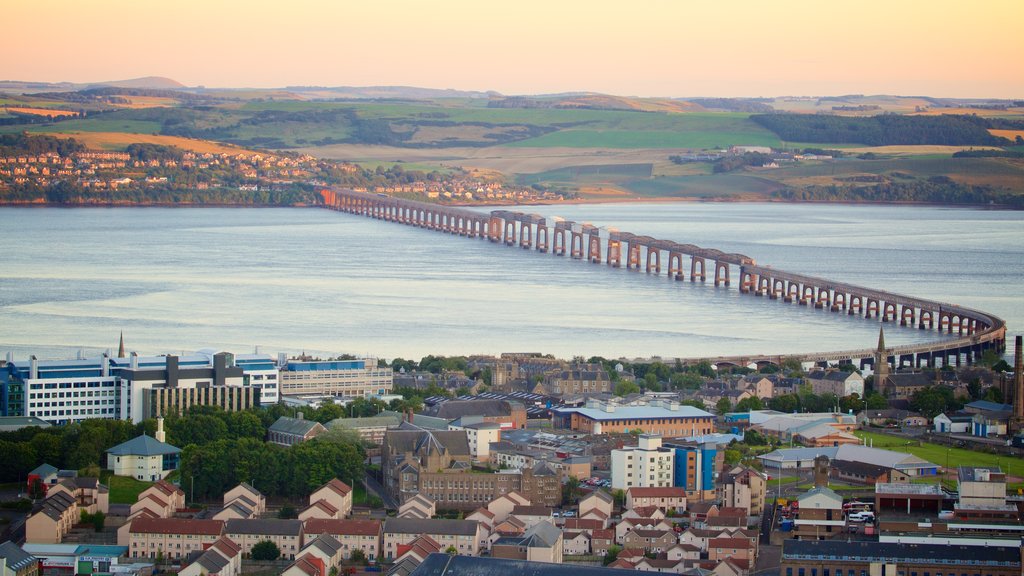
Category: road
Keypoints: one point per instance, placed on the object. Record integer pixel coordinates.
(373, 486)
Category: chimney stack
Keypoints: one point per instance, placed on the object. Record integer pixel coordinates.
(300, 416)
(160, 436)
(134, 361)
(105, 365)
(821, 471)
(33, 367)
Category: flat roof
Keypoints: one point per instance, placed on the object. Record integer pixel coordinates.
(636, 412)
(909, 489)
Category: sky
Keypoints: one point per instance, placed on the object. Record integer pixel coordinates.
(652, 48)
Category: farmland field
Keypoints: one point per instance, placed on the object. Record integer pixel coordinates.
(699, 139)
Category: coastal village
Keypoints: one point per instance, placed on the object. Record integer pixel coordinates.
(528, 458)
(25, 177)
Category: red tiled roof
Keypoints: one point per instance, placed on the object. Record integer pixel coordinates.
(631, 553)
(620, 563)
(325, 506)
(654, 492)
(336, 486)
(154, 498)
(484, 511)
(316, 526)
(729, 543)
(176, 526)
(227, 546)
(603, 534)
(583, 524)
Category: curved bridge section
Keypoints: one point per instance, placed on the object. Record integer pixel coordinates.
(975, 331)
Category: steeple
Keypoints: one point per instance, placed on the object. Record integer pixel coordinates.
(881, 364)
(120, 347)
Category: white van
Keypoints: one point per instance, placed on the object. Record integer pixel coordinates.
(862, 517)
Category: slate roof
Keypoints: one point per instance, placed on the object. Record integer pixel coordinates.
(273, 527)
(144, 445)
(425, 441)
(540, 535)
(43, 470)
(343, 527)
(429, 526)
(454, 409)
(325, 543)
(293, 426)
(891, 552)
(444, 565)
(15, 557)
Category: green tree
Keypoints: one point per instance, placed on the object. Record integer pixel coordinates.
(358, 557)
(451, 551)
(265, 550)
(686, 381)
(732, 457)
(787, 403)
(612, 554)
(625, 387)
(754, 438)
(287, 513)
(571, 490)
(723, 405)
(699, 404)
(748, 404)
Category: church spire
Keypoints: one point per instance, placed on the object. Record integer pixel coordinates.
(881, 366)
(120, 347)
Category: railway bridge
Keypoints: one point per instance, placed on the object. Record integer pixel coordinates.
(969, 333)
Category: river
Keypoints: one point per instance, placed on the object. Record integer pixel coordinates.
(290, 279)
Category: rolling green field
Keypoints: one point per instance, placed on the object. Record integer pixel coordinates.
(700, 139)
(123, 490)
(89, 125)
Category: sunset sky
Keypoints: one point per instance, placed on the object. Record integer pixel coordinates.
(638, 47)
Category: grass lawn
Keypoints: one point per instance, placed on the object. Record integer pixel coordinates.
(123, 490)
(359, 496)
(941, 455)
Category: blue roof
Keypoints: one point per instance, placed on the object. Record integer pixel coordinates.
(636, 412)
(990, 406)
(143, 446)
(44, 470)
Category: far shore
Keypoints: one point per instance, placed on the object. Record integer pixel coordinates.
(571, 202)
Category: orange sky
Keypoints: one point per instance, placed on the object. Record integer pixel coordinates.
(637, 47)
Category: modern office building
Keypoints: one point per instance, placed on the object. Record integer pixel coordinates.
(696, 465)
(339, 378)
(132, 388)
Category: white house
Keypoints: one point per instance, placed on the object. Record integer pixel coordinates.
(144, 457)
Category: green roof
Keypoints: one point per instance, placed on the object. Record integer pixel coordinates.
(143, 446)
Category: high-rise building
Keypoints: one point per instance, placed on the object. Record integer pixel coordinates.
(647, 465)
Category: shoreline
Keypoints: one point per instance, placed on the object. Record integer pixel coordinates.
(574, 202)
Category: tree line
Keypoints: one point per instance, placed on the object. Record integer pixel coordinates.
(937, 189)
(883, 129)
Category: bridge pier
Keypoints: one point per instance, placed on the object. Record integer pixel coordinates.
(594, 251)
(525, 235)
(576, 248)
(614, 257)
(721, 273)
(542, 238)
(675, 265)
(696, 263)
(558, 242)
(633, 256)
(655, 255)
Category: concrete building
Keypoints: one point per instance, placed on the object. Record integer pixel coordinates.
(144, 458)
(339, 378)
(287, 431)
(696, 466)
(663, 418)
(480, 436)
(133, 388)
(260, 372)
(743, 487)
(646, 465)
(803, 458)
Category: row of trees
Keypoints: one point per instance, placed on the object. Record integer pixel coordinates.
(938, 189)
(883, 129)
(213, 468)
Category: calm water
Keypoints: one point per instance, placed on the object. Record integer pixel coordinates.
(309, 279)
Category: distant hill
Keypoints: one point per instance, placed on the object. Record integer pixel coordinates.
(594, 101)
(396, 92)
(155, 82)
